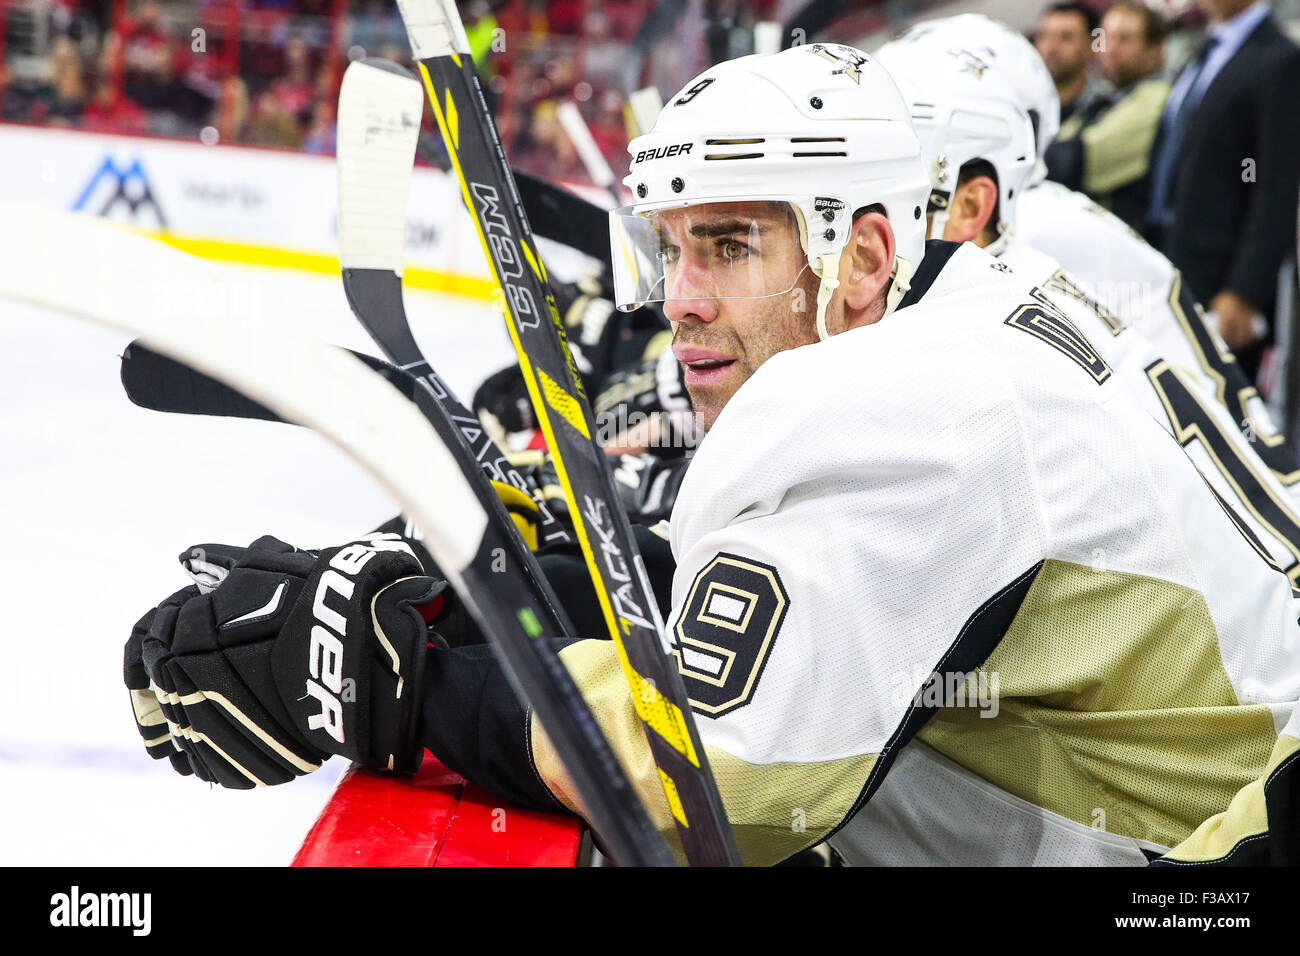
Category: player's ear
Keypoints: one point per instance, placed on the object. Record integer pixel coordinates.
(971, 210)
(865, 264)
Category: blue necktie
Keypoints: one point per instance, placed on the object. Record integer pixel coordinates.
(1162, 170)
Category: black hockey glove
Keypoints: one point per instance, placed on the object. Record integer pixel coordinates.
(279, 658)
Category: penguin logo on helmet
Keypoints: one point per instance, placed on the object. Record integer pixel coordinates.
(969, 62)
(850, 66)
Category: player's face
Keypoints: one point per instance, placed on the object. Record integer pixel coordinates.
(722, 341)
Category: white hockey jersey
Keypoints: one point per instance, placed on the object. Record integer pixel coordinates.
(946, 593)
(1141, 286)
(1183, 403)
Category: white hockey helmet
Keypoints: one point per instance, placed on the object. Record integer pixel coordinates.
(963, 111)
(1014, 58)
(821, 128)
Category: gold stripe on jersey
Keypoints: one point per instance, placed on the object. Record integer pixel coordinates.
(775, 809)
(1243, 829)
(1191, 421)
(1203, 342)
(1062, 283)
(1114, 709)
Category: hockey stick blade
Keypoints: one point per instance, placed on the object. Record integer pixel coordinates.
(579, 133)
(155, 381)
(135, 284)
(565, 217)
(161, 384)
(658, 692)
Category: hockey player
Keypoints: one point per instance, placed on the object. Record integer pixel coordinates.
(978, 144)
(1118, 268)
(927, 533)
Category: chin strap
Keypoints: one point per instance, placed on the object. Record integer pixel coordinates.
(901, 275)
(1006, 232)
(938, 222)
(828, 270)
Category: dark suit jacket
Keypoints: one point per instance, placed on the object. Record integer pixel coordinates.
(1229, 232)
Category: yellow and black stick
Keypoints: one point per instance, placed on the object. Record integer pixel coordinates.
(564, 414)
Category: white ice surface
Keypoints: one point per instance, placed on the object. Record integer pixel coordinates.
(97, 498)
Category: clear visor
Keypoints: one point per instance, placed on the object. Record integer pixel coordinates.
(722, 250)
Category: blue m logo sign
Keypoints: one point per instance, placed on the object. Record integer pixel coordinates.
(128, 186)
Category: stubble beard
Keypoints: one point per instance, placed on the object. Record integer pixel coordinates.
(777, 326)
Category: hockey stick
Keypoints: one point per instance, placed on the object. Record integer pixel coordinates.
(658, 693)
(569, 219)
(152, 380)
(645, 105)
(135, 284)
(380, 105)
(563, 216)
(579, 133)
(161, 384)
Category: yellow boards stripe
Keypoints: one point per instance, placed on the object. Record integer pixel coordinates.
(564, 403)
(226, 250)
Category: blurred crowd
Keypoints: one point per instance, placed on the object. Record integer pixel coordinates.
(266, 72)
(1191, 137)
(178, 69)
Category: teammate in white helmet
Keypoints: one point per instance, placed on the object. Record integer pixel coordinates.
(1117, 267)
(927, 532)
(978, 143)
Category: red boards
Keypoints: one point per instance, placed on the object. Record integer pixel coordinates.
(432, 819)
